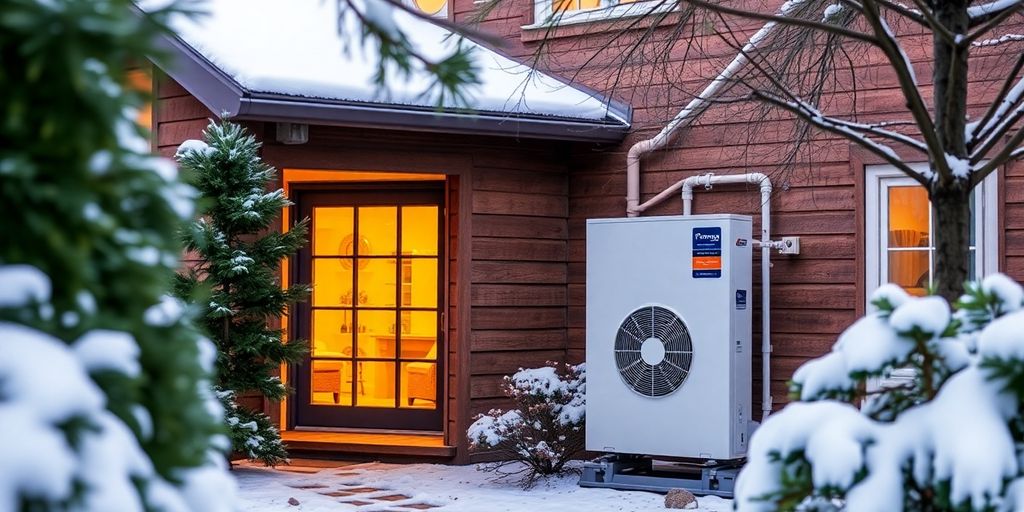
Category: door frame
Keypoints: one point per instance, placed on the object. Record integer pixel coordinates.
(304, 195)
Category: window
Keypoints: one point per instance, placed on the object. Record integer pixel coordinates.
(899, 242)
(565, 12)
(436, 8)
(574, 5)
(141, 80)
(899, 227)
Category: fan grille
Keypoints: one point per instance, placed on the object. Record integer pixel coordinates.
(659, 325)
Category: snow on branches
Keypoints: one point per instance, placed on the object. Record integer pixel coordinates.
(238, 263)
(949, 437)
(544, 431)
(61, 441)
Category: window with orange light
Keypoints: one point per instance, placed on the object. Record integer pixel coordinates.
(436, 8)
(563, 12)
(900, 231)
(141, 80)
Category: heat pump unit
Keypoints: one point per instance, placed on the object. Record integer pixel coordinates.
(669, 336)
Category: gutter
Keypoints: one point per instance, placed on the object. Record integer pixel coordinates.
(282, 108)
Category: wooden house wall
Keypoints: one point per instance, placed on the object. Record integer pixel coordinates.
(507, 247)
(814, 295)
(519, 273)
(519, 229)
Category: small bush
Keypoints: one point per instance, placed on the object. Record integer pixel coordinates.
(543, 432)
(252, 433)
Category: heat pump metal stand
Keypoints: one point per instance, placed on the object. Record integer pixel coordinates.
(637, 473)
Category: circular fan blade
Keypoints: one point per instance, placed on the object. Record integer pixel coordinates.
(653, 324)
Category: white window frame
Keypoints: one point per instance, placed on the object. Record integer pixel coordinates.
(878, 180)
(607, 9)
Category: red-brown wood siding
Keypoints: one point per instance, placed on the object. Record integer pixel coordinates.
(518, 278)
(814, 295)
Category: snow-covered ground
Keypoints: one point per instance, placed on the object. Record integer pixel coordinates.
(368, 487)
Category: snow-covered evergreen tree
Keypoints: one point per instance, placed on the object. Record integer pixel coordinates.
(947, 436)
(240, 256)
(105, 398)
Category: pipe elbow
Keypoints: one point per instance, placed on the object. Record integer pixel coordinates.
(638, 150)
(688, 184)
(761, 179)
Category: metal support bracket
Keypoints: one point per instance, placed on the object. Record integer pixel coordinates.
(641, 473)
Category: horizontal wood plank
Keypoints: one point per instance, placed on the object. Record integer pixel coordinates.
(516, 226)
(519, 249)
(518, 339)
(517, 272)
(517, 318)
(515, 203)
(517, 295)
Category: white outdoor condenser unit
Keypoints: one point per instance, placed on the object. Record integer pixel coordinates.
(669, 336)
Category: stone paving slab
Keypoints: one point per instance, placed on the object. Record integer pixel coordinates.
(353, 492)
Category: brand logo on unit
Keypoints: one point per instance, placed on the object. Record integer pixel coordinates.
(707, 253)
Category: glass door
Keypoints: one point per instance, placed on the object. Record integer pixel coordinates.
(373, 321)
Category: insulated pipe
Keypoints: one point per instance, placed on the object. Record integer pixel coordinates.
(754, 178)
(696, 107)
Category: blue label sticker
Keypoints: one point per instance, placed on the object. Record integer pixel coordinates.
(741, 299)
(707, 253)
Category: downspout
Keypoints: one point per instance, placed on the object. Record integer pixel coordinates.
(683, 119)
(754, 178)
(685, 116)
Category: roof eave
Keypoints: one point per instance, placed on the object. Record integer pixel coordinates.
(267, 107)
(200, 77)
(223, 95)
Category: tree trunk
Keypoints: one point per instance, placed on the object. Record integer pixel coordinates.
(950, 194)
(952, 229)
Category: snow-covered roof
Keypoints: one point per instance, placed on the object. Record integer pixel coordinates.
(289, 61)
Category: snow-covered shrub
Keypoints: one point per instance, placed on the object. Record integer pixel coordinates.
(252, 433)
(948, 435)
(73, 429)
(545, 429)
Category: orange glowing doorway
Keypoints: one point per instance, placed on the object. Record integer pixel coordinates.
(375, 260)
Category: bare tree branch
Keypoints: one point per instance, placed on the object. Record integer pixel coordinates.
(1000, 129)
(1005, 154)
(783, 20)
(932, 22)
(810, 113)
(983, 127)
(1003, 39)
(853, 131)
(984, 13)
(992, 22)
(838, 128)
(908, 83)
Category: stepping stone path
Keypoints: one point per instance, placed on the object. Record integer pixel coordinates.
(352, 493)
